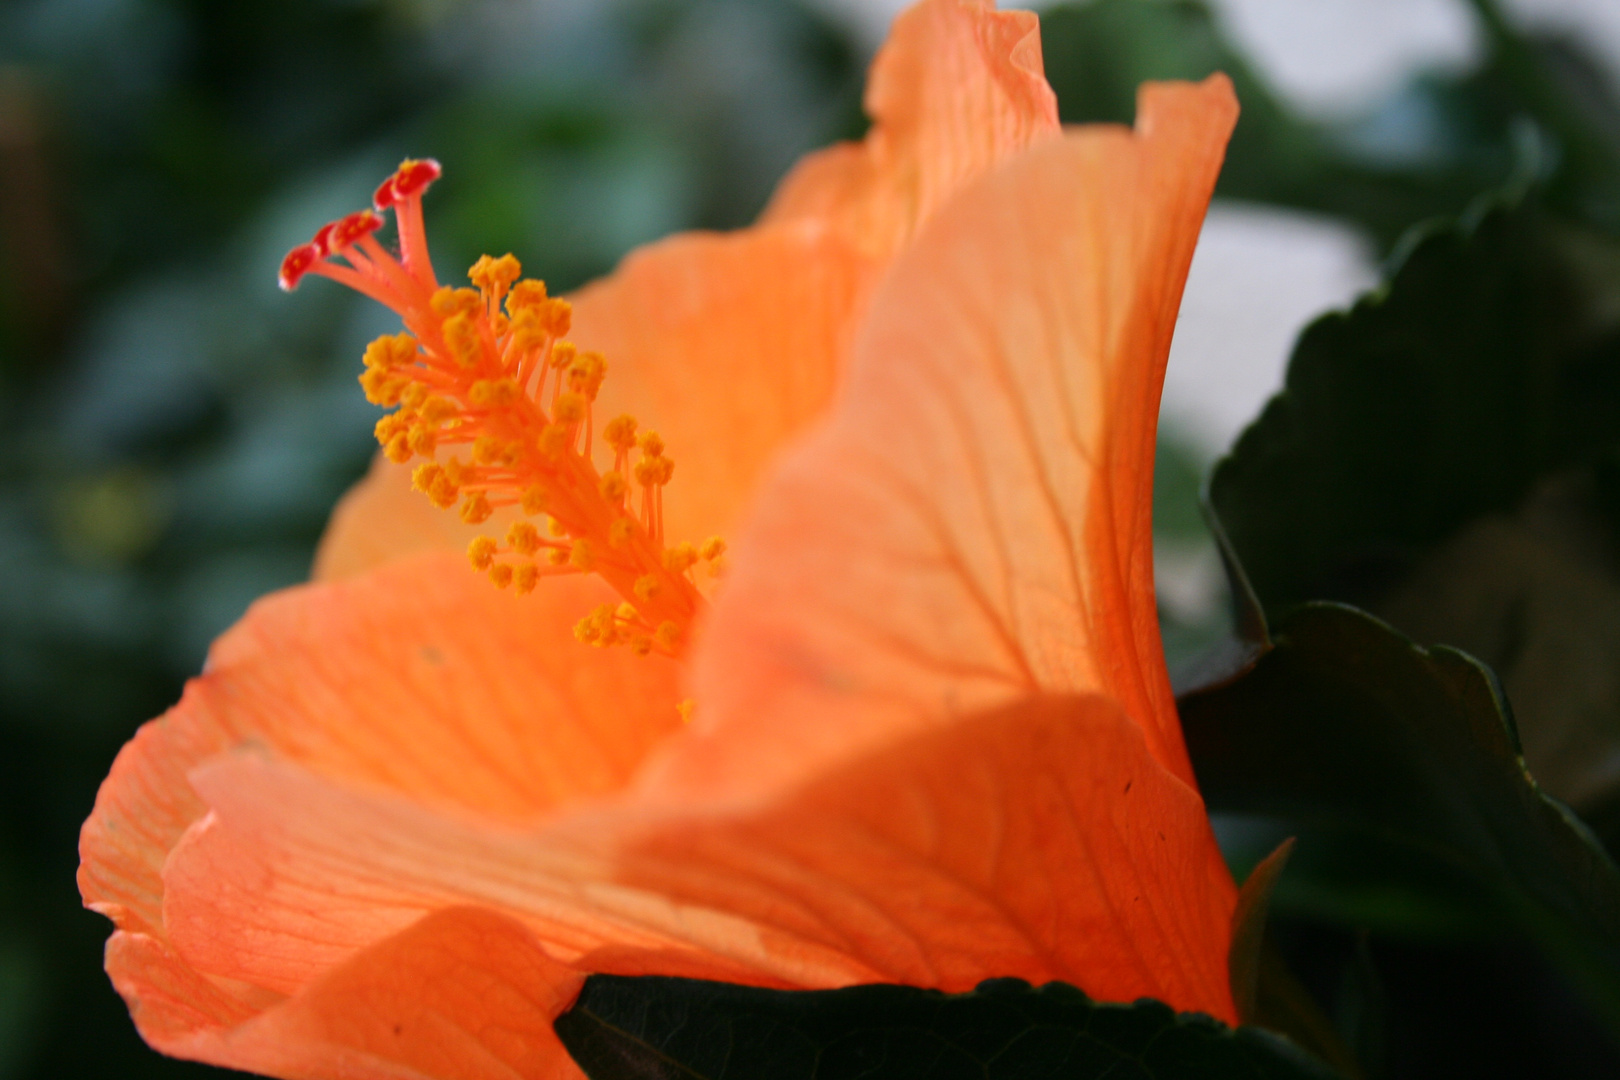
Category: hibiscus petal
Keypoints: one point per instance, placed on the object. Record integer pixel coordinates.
(726, 345)
(958, 87)
(729, 345)
(463, 994)
(384, 518)
(420, 679)
(1042, 841)
(974, 523)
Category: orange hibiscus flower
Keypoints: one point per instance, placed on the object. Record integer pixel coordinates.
(403, 814)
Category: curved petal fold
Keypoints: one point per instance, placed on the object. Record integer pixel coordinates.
(1041, 841)
(462, 994)
(973, 524)
(958, 87)
(419, 679)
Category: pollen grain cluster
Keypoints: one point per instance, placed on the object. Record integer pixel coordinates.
(496, 406)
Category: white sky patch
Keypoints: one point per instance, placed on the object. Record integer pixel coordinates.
(1258, 277)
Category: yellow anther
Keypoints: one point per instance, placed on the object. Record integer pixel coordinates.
(422, 440)
(570, 409)
(493, 371)
(586, 373)
(436, 410)
(443, 493)
(528, 294)
(556, 316)
(620, 433)
(685, 709)
(523, 537)
(382, 387)
(654, 471)
(494, 276)
(461, 337)
(389, 426)
(476, 509)
(390, 351)
(680, 558)
(555, 439)
(493, 393)
(487, 450)
(447, 302)
(527, 330)
(413, 396)
(426, 475)
(597, 628)
(481, 552)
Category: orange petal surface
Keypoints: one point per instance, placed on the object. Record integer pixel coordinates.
(462, 994)
(958, 88)
(419, 679)
(973, 525)
(1041, 841)
(729, 345)
(383, 518)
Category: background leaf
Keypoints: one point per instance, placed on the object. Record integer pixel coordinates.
(1345, 723)
(643, 1028)
(1440, 456)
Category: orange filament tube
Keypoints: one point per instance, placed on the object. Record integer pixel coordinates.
(486, 371)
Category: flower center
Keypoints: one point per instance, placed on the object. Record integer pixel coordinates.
(488, 370)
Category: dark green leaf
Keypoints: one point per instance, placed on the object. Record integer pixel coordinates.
(644, 1028)
(1441, 397)
(1435, 457)
(1346, 724)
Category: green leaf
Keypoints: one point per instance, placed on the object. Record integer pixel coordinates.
(1343, 723)
(1485, 362)
(1437, 457)
(652, 1027)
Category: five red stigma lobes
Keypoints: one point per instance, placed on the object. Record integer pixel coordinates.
(488, 370)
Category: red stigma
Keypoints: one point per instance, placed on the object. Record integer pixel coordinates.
(297, 263)
(386, 195)
(323, 239)
(351, 228)
(414, 177)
